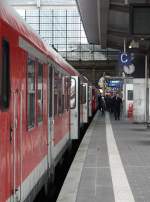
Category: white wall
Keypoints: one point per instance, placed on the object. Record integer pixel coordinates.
(128, 87)
(139, 97)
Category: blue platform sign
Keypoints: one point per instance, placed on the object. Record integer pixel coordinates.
(125, 58)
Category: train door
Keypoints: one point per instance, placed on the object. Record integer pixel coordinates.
(16, 144)
(16, 128)
(10, 123)
(85, 102)
(50, 115)
(4, 120)
(75, 107)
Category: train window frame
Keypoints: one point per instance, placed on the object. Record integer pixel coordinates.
(39, 118)
(73, 106)
(31, 126)
(5, 76)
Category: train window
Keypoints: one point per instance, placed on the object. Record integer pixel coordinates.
(73, 94)
(40, 93)
(31, 93)
(84, 94)
(5, 76)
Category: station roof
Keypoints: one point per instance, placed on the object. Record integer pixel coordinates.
(94, 15)
(106, 22)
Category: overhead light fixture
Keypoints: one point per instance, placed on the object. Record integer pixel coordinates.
(134, 44)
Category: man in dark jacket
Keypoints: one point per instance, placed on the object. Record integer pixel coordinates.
(101, 104)
(117, 101)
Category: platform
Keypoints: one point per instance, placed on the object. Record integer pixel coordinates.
(111, 165)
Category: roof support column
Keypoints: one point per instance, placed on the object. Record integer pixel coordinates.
(103, 13)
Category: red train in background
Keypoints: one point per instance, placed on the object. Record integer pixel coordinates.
(43, 103)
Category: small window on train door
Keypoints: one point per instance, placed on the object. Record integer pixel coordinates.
(81, 93)
(50, 83)
(84, 94)
(40, 93)
(31, 93)
(56, 91)
(73, 94)
(68, 81)
(5, 76)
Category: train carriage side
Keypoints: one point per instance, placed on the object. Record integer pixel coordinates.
(34, 108)
(23, 114)
(62, 84)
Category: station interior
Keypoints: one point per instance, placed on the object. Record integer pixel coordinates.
(75, 100)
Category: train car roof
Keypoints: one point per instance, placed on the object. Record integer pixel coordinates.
(12, 18)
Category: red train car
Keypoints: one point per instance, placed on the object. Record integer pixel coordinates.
(35, 114)
(94, 99)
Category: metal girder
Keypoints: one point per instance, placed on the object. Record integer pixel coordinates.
(103, 10)
(88, 13)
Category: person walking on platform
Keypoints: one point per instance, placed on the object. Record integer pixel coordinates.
(117, 101)
(101, 104)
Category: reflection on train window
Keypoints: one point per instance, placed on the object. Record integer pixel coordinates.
(31, 93)
(84, 94)
(5, 76)
(73, 94)
(130, 94)
(40, 93)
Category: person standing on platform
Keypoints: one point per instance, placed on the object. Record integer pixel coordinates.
(117, 101)
(101, 104)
